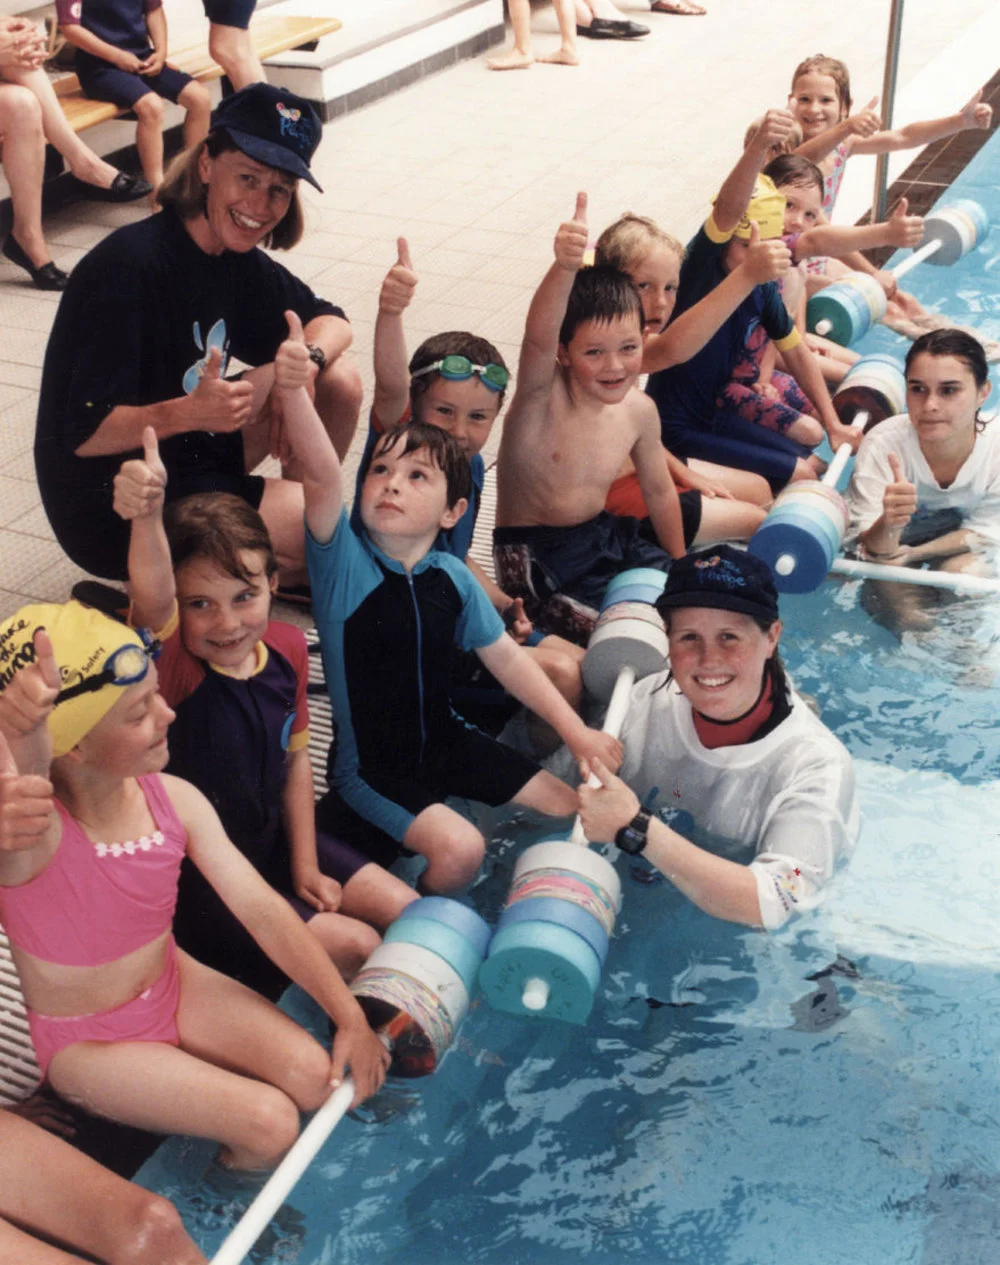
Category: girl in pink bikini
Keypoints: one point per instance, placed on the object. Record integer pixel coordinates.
(820, 101)
(124, 1023)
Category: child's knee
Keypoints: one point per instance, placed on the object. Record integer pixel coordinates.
(195, 99)
(307, 1075)
(564, 673)
(153, 1232)
(271, 1123)
(341, 384)
(149, 109)
(356, 942)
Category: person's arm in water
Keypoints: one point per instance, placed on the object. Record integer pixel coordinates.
(805, 368)
(737, 189)
(139, 491)
(722, 888)
(322, 477)
(901, 230)
(658, 491)
(685, 337)
(537, 364)
(521, 676)
(392, 376)
(282, 935)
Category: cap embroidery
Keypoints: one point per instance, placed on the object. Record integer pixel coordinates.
(292, 123)
(719, 570)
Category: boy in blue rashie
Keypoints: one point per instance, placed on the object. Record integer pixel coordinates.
(691, 422)
(457, 381)
(122, 57)
(389, 608)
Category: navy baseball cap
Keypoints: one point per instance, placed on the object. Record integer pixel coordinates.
(273, 126)
(723, 578)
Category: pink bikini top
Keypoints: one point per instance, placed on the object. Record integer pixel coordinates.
(95, 902)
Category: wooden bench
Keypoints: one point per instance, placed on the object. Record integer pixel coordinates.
(271, 35)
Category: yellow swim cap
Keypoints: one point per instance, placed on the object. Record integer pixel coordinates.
(767, 208)
(98, 657)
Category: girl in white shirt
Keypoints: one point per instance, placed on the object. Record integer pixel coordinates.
(724, 737)
(926, 484)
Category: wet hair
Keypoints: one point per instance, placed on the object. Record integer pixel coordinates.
(445, 453)
(218, 527)
(456, 342)
(793, 170)
(626, 243)
(777, 668)
(600, 294)
(791, 142)
(820, 64)
(957, 343)
(184, 190)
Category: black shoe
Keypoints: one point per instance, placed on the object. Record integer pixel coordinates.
(608, 29)
(124, 188)
(47, 277)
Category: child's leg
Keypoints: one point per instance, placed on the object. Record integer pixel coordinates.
(82, 161)
(232, 48)
(772, 414)
(560, 660)
(348, 942)
(454, 849)
(149, 136)
(546, 794)
(198, 104)
(741, 483)
(253, 1110)
(519, 57)
(565, 54)
(375, 896)
(727, 520)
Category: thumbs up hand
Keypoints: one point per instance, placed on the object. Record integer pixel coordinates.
(571, 239)
(218, 405)
(292, 366)
(28, 699)
(904, 229)
(140, 484)
(399, 284)
(765, 260)
(976, 113)
(866, 122)
(26, 804)
(899, 501)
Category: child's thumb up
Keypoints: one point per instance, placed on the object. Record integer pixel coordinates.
(896, 466)
(403, 253)
(296, 334)
(45, 658)
(754, 237)
(213, 364)
(580, 212)
(901, 208)
(151, 451)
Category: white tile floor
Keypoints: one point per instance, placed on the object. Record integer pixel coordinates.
(476, 170)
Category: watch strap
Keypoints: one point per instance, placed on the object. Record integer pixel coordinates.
(632, 838)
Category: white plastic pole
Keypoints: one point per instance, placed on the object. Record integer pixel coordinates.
(918, 257)
(613, 721)
(254, 1221)
(843, 453)
(956, 581)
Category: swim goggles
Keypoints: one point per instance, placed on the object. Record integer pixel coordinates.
(125, 666)
(458, 368)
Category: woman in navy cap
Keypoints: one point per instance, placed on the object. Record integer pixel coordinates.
(724, 737)
(154, 315)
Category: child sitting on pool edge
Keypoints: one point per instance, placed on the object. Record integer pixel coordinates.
(389, 609)
(237, 680)
(457, 380)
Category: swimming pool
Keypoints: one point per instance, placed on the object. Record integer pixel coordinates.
(826, 1095)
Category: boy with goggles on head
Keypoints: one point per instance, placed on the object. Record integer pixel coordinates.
(457, 381)
(390, 608)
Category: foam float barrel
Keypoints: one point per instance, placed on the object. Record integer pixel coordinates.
(628, 633)
(552, 937)
(847, 310)
(415, 987)
(874, 385)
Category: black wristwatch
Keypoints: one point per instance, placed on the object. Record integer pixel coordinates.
(317, 355)
(632, 838)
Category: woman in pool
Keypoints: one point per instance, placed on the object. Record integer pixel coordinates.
(724, 736)
(123, 1022)
(926, 484)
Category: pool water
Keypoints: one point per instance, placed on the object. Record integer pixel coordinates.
(825, 1096)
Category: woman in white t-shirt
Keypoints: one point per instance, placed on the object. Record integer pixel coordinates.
(724, 737)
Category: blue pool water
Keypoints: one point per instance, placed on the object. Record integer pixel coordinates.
(829, 1095)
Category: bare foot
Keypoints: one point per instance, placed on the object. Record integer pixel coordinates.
(514, 60)
(561, 57)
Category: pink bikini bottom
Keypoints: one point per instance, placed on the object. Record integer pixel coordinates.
(152, 1016)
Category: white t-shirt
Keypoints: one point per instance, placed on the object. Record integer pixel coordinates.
(973, 499)
(790, 795)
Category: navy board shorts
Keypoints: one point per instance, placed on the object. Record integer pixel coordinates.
(730, 440)
(229, 12)
(561, 572)
(466, 764)
(104, 82)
